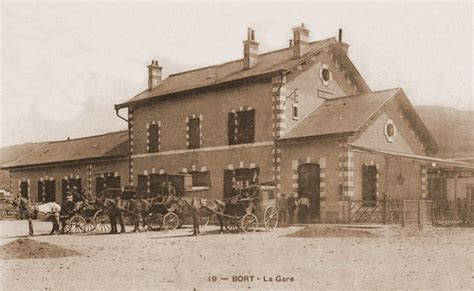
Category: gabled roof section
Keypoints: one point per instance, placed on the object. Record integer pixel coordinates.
(347, 115)
(105, 146)
(339, 116)
(273, 62)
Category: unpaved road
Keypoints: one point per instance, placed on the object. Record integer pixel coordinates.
(392, 258)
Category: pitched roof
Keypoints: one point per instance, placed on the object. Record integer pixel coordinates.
(105, 146)
(344, 115)
(271, 62)
(13, 153)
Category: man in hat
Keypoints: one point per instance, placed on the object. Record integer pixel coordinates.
(291, 206)
(75, 194)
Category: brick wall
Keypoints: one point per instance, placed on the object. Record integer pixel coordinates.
(86, 172)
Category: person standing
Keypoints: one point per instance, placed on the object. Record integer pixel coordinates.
(291, 206)
(282, 208)
(196, 215)
(55, 220)
(303, 207)
(120, 216)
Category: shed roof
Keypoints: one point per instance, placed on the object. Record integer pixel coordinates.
(340, 115)
(104, 146)
(270, 62)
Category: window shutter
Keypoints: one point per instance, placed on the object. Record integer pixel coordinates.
(365, 183)
(64, 188)
(228, 183)
(372, 171)
(251, 126)
(231, 128)
(155, 185)
(99, 185)
(194, 133)
(246, 126)
(142, 185)
(40, 191)
(154, 138)
(24, 189)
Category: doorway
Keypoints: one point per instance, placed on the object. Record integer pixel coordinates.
(308, 186)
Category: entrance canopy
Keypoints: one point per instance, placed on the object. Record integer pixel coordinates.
(431, 161)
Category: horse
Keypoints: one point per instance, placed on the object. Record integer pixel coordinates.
(140, 208)
(30, 210)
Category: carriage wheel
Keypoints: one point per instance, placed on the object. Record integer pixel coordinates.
(77, 224)
(232, 224)
(249, 222)
(67, 226)
(170, 221)
(155, 222)
(205, 220)
(270, 217)
(89, 225)
(101, 222)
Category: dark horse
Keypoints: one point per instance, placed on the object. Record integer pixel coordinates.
(30, 210)
(138, 209)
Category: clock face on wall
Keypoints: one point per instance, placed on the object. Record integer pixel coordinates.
(390, 130)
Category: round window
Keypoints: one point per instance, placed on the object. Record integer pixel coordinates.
(390, 130)
(325, 74)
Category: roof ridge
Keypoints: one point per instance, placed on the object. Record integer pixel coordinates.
(25, 155)
(239, 60)
(88, 137)
(379, 107)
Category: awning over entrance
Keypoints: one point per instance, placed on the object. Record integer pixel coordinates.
(432, 161)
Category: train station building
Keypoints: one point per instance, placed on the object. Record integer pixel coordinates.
(46, 172)
(302, 117)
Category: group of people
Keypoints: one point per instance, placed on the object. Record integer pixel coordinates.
(289, 206)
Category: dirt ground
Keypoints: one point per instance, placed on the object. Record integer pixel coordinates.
(320, 257)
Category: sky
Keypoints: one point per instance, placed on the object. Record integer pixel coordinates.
(64, 66)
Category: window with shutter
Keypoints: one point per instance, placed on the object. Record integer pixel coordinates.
(194, 133)
(50, 191)
(369, 184)
(231, 128)
(99, 185)
(142, 186)
(154, 138)
(24, 189)
(228, 183)
(155, 185)
(246, 126)
(41, 191)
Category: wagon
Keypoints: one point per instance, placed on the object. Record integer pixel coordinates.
(245, 214)
(81, 220)
(175, 213)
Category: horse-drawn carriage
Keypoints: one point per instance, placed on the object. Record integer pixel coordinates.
(243, 212)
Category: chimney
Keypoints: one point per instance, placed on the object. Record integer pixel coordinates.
(300, 39)
(344, 45)
(250, 50)
(154, 75)
(291, 42)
